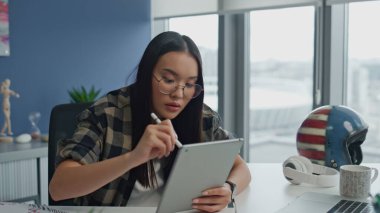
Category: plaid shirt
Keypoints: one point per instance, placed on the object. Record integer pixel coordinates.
(104, 131)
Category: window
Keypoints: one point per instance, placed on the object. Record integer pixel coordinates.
(282, 76)
(204, 31)
(364, 71)
(281, 84)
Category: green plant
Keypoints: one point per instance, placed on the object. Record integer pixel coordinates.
(82, 95)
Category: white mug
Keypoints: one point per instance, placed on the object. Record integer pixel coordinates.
(356, 180)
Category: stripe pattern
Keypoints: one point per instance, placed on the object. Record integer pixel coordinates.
(311, 136)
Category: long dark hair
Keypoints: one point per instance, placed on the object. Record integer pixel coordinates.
(187, 124)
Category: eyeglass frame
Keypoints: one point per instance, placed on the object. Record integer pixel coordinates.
(177, 86)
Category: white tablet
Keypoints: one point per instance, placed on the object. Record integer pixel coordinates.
(197, 167)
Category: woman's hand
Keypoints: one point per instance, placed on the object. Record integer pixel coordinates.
(158, 140)
(214, 199)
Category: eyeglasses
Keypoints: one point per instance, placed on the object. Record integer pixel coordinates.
(168, 86)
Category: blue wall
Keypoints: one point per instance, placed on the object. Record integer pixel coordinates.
(56, 45)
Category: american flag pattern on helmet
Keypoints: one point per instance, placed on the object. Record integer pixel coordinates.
(311, 136)
(331, 135)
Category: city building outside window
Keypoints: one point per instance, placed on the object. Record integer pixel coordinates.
(363, 77)
(281, 91)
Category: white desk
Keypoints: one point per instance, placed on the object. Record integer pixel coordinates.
(268, 192)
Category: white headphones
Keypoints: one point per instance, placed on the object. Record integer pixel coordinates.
(299, 169)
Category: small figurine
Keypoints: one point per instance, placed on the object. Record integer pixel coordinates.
(6, 92)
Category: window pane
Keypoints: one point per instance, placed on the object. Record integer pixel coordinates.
(204, 31)
(364, 71)
(282, 46)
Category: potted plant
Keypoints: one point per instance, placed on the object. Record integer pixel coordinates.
(82, 95)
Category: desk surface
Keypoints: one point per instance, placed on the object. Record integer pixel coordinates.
(17, 151)
(268, 192)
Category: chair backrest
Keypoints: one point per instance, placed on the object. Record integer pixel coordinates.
(63, 122)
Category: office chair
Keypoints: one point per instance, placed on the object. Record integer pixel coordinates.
(62, 124)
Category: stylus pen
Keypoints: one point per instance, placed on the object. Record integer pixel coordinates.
(157, 120)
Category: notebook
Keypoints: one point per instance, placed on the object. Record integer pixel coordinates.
(312, 202)
(197, 167)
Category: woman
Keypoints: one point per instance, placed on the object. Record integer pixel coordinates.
(119, 156)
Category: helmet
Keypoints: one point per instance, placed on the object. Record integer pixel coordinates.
(331, 136)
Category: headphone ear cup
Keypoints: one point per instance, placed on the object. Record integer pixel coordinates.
(295, 164)
(308, 165)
